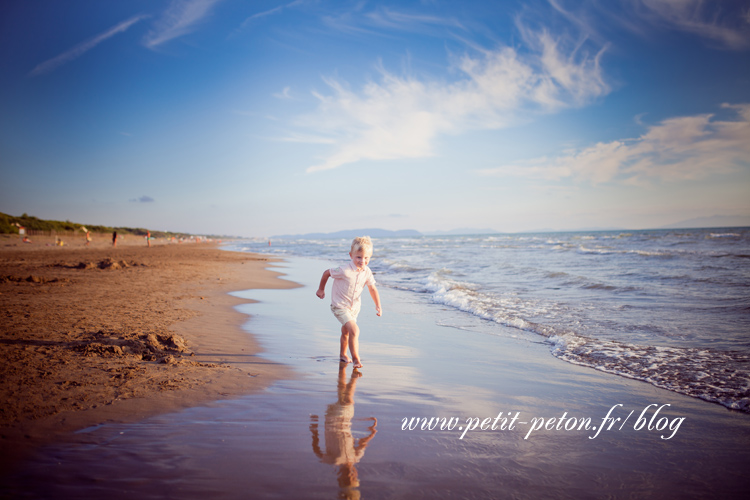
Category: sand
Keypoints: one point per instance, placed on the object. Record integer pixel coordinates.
(330, 432)
(93, 334)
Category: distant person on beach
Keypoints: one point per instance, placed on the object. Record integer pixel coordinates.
(348, 283)
(148, 238)
(88, 238)
(114, 239)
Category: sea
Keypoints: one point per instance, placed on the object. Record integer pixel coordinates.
(668, 307)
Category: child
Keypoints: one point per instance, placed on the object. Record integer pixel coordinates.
(348, 283)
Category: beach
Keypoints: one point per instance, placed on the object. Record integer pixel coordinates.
(441, 409)
(97, 334)
(555, 194)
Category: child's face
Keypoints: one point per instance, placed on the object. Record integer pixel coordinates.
(361, 257)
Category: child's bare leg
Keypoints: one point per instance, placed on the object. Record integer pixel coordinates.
(353, 334)
(344, 344)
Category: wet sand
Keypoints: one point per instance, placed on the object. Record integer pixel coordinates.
(330, 432)
(98, 334)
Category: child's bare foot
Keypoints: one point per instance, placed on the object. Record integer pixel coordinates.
(345, 359)
(358, 363)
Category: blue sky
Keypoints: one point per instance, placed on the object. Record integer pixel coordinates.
(257, 118)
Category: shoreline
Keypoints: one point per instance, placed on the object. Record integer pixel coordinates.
(94, 335)
(306, 435)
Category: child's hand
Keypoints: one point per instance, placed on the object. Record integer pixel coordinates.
(321, 294)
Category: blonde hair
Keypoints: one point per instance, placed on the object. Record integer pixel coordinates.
(361, 242)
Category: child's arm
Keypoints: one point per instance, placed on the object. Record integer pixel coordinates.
(375, 298)
(322, 287)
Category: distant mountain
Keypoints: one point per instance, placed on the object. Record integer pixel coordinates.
(590, 229)
(463, 230)
(353, 233)
(713, 221)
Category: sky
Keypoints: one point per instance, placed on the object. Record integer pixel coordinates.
(259, 117)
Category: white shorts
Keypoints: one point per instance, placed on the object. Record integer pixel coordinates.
(346, 315)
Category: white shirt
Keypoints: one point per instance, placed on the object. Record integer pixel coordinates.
(348, 283)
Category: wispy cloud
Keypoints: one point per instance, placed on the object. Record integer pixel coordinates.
(80, 49)
(284, 94)
(385, 21)
(269, 12)
(724, 24)
(405, 21)
(717, 21)
(681, 148)
(400, 117)
(180, 18)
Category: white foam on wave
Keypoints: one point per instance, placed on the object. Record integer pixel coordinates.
(651, 253)
(507, 310)
(724, 235)
(608, 251)
(601, 251)
(715, 376)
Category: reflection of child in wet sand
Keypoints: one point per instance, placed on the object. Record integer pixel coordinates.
(348, 283)
(342, 450)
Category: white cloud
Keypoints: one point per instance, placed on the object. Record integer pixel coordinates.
(681, 148)
(400, 117)
(179, 19)
(82, 48)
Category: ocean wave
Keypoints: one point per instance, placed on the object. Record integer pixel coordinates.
(683, 289)
(724, 235)
(652, 253)
(398, 266)
(715, 376)
(610, 251)
(506, 310)
(600, 251)
(599, 286)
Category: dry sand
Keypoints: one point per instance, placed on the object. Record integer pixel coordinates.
(95, 334)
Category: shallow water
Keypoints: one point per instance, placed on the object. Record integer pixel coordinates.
(668, 307)
(314, 436)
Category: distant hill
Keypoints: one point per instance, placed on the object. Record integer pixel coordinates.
(463, 230)
(352, 233)
(9, 225)
(713, 221)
